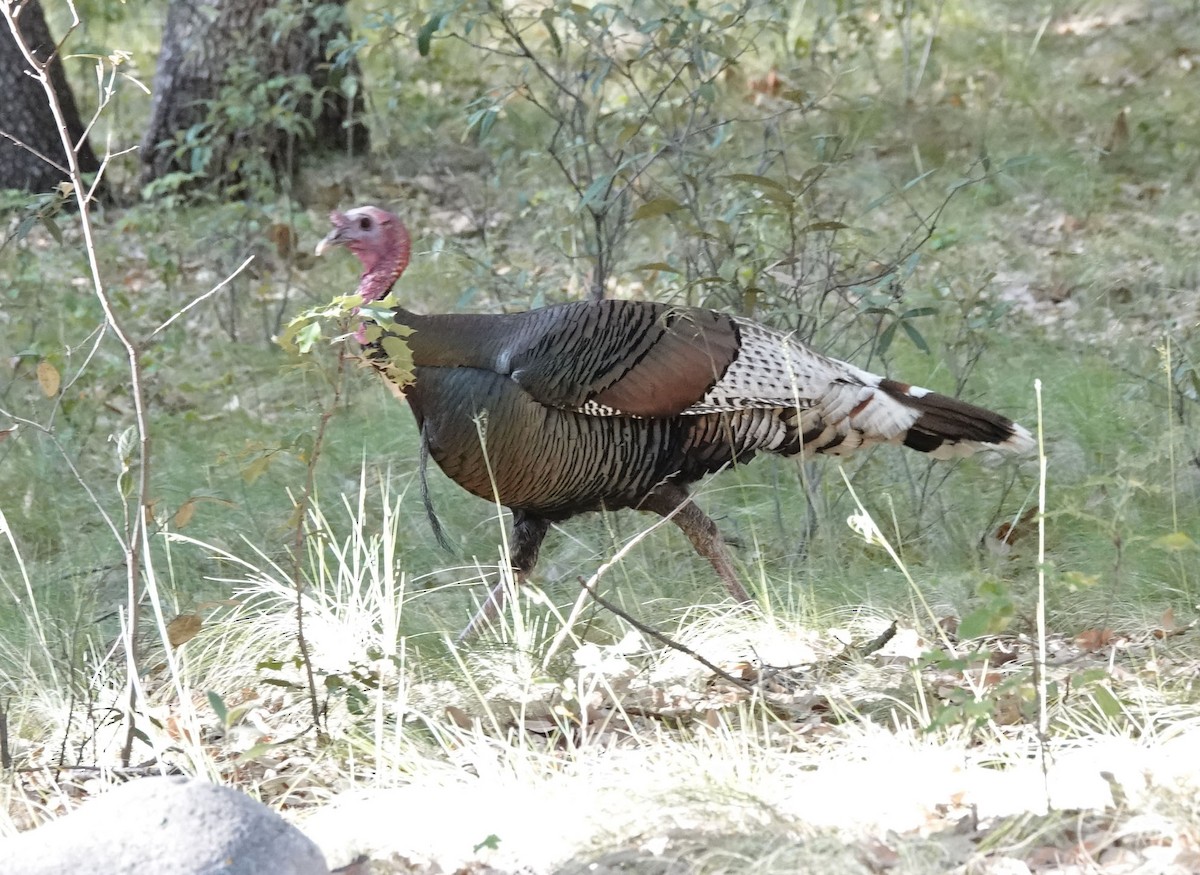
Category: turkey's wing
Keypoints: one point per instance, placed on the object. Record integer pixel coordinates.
(627, 358)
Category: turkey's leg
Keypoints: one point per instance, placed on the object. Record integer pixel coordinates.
(672, 501)
(528, 534)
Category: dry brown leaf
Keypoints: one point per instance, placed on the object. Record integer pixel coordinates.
(1023, 527)
(8, 432)
(1167, 625)
(177, 730)
(459, 717)
(540, 726)
(878, 856)
(183, 629)
(1118, 139)
(1007, 711)
(771, 83)
(1095, 639)
(284, 238)
(48, 378)
(183, 516)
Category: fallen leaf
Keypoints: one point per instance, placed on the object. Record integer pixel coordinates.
(183, 516)
(878, 856)
(183, 629)
(540, 726)
(1095, 639)
(1024, 525)
(1168, 626)
(459, 717)
(48, 378)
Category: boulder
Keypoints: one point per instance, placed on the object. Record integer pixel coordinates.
(165, 824)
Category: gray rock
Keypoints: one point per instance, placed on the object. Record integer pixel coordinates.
(165, 825)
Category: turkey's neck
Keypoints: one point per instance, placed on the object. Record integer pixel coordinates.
(380, 274)
(442, 340)
(457, 339)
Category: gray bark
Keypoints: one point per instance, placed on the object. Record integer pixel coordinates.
(215, 54)
(26, 118)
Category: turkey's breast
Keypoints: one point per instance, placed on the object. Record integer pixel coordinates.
(495, 440)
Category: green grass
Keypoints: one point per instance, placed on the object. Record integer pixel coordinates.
(1062, 262)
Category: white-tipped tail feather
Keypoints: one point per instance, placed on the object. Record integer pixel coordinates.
(843, 408)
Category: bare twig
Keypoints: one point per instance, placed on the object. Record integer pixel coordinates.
(21, 144)
(301, 532)
(666, 640)
(202, 298)
(136, 510)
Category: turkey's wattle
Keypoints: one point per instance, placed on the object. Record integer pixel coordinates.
(623, 404)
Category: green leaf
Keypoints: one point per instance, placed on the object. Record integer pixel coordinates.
(255, 751)
(824, 226)
(1088, 677)
(256, 469)
(280, 682)
(306, 336)
(1077, 580)
(24, 227)
(657, 265)
(1109, 704)
(916, 180)
(428, 29)
(988, 620)
(547, 18)
(763, 182)
(492, 842)
(877, 202)
(915, 336)
(886, 338)
(595, 192)
(659, 206)
(52, 227)
(218, 705)
(1176, 542)
(395, 347)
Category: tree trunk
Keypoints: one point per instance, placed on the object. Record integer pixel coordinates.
(242, 87)
(35, 161)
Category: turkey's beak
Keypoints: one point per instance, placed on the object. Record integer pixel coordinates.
(336, 237)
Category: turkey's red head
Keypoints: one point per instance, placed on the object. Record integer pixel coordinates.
(378, 239)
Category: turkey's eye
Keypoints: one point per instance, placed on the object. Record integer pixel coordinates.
(364, 223)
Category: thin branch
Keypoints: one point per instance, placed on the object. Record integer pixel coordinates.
(75, 472)
(202, 298)
(103, 168)
(515, 35)
(135, 515)
(666, 640)
(35, 153)
(301, 533)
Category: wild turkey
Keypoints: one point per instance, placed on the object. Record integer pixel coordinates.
(623, 404)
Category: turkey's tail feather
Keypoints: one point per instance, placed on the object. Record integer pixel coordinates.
(778, 396)
(946, 427)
